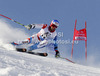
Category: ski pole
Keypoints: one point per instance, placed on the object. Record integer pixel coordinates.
(12, 20)
(67, 59)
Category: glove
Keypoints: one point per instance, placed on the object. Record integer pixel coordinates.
(57, 55)
(30, 26)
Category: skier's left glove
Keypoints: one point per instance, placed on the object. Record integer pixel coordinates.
(57, 55)
(30, 26)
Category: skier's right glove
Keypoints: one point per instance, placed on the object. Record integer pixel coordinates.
(57, 55)
(30, 26)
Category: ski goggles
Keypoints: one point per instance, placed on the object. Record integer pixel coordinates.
(54, 26)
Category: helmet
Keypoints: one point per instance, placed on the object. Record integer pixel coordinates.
(54, 22)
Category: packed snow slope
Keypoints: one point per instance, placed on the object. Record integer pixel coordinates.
(13, 63)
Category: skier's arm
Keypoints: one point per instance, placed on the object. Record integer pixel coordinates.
(56, 48)
(32, 26)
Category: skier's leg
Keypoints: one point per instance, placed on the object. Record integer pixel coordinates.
(33, 47)
(38, 45)
(29, 40)
(19, 42)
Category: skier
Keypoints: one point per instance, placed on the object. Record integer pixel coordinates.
(42, 38)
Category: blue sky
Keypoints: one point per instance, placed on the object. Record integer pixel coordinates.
(66, 11)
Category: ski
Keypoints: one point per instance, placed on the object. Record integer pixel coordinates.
(33, 53)
(67, 59)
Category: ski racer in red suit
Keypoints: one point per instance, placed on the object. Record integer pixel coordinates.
(43, 37)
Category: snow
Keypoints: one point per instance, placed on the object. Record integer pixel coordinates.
(13, 63)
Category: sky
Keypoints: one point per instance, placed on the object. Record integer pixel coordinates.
(66, 11)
